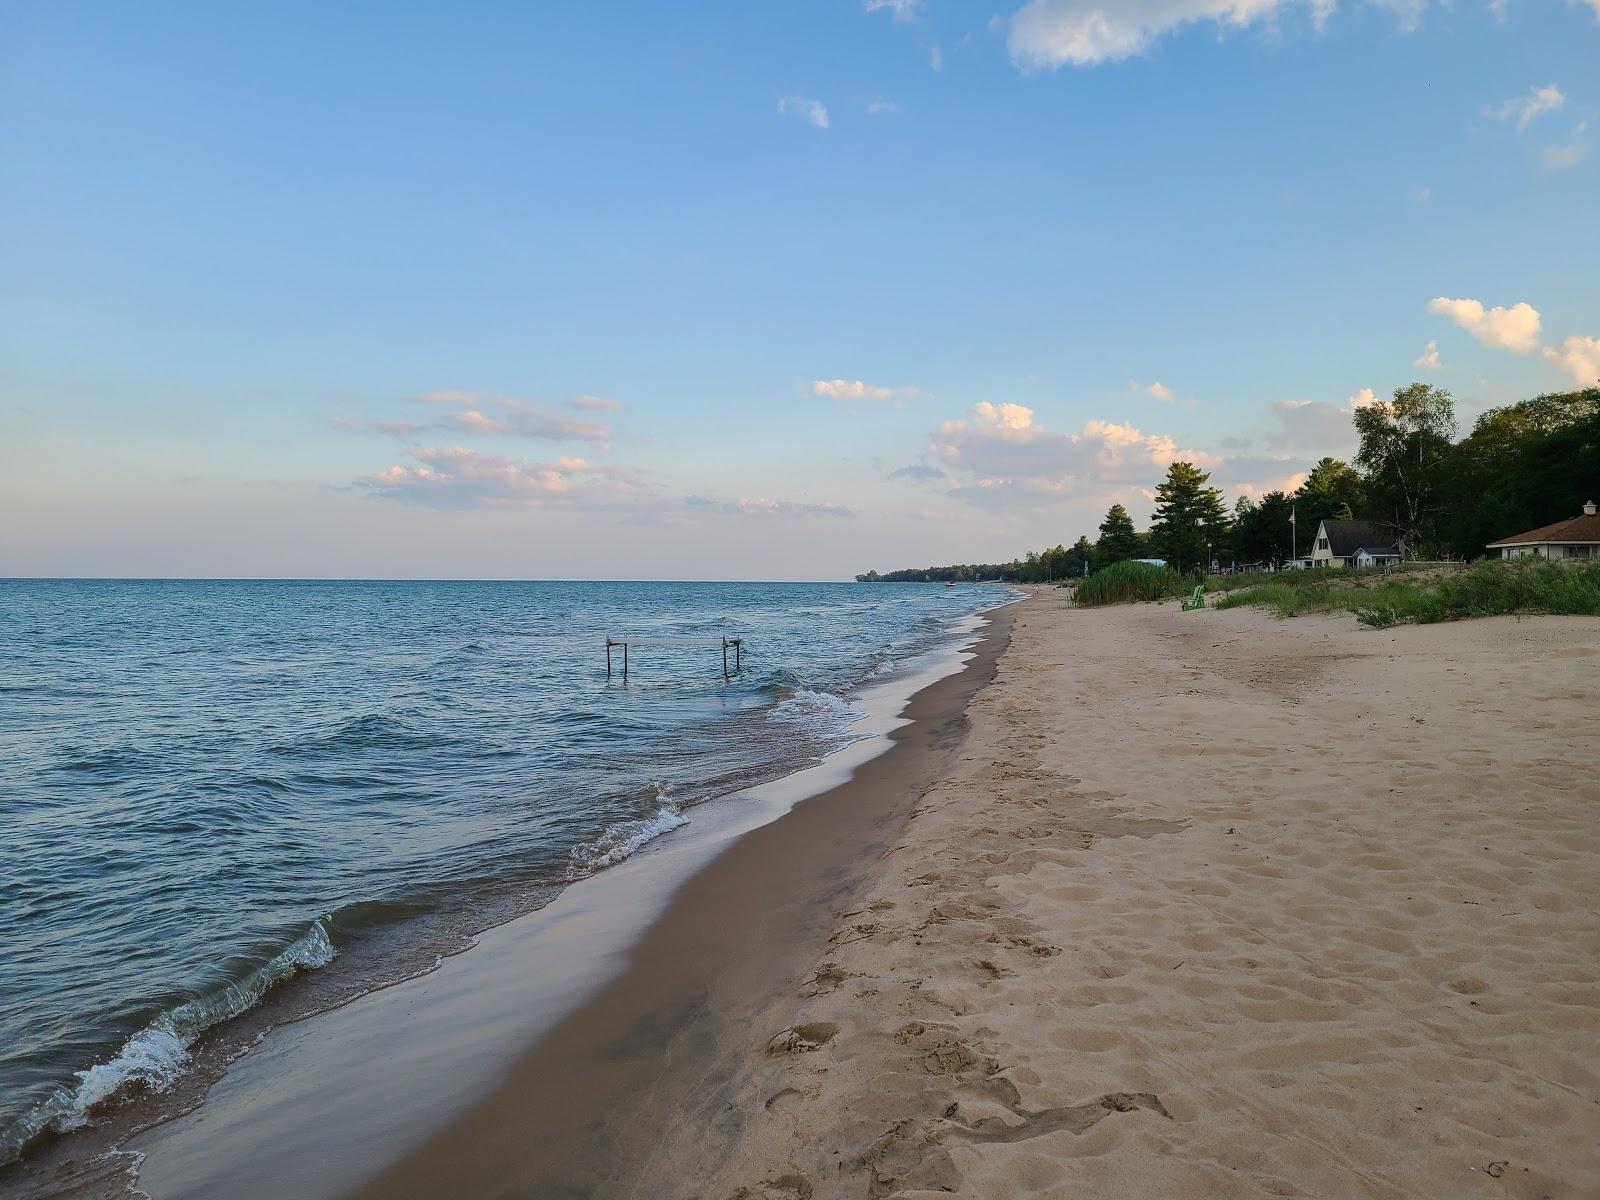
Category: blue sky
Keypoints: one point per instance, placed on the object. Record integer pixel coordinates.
(751, 290)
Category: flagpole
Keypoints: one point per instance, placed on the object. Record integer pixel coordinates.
(1294, 532)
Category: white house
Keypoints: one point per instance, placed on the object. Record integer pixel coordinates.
(1375, 556)
(1576, 537)
(1338, 542)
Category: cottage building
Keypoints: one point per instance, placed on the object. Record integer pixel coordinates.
(1338, 542)
(1375, 556)
(1576, 537)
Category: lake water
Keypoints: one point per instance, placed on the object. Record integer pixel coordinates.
(211, 788)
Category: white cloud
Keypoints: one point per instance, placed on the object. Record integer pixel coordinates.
(850, 389)
(510, 417)
(812, 110)
(1055, 33)
(1428, 360)
(1159, 391)
(1564, 155)
(456, 477)
(901, 10)
(1535, 104)
(1362, 399)
(999, 452)
(1515, 328)
(879, 107)
(597, 404)
(936, 56)
(1579, 357)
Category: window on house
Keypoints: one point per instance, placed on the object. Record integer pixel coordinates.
(1322, 543)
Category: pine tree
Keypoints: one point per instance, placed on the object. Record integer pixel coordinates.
(1118, 540)
(1190, 519)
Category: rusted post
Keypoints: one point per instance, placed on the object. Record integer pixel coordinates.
(724, 658)
(738, 654)
(624, 662)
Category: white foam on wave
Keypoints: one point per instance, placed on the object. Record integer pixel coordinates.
(154, 1058)
(815, 709)
(626, 838)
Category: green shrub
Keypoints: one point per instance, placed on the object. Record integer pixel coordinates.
(1125, 582)
(1487, 589)
(1522, 585)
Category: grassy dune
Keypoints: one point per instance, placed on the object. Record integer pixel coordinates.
(1487, 589)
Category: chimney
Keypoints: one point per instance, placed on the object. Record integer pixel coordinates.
(1588, 508)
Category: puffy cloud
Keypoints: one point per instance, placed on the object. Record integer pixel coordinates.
(596, 404)
(1579, 356)
(1363, 398)
(759, 506)
(1005, 416)
(850, 389)
(814, 111)
(1523, 109)
(456, 477)
(904, 10)
(1159, 391)
(1428, 360)
(1515, 328)
(999, 451)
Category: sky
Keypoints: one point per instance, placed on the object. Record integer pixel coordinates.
(751, 290)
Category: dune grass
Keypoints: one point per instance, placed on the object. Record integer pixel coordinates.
(1125, 582)
(1489, 588)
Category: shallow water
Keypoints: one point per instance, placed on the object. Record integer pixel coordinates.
(211, 787)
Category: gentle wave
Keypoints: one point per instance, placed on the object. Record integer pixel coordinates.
(816, 710)
(153, 1059)
(411, 762)
(626, 838)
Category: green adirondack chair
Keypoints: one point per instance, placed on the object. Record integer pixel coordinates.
(1197, 600)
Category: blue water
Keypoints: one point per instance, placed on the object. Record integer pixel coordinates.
(209, 789)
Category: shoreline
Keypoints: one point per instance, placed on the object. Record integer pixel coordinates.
(573, 1114)
(455, 1032)
(1210, 906)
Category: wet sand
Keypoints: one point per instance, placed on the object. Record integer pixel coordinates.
(582, 1113)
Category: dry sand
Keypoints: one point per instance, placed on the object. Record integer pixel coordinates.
(1208, 905)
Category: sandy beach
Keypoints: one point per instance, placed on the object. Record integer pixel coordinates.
(1202, 905)
(1140, 903)
(1215, 905)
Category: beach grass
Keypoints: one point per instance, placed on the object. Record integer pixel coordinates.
(1126, 582)
(1489, 588)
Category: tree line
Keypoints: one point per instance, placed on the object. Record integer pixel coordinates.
(1522, 466)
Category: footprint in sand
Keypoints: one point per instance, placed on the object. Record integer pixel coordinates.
(802, 1039)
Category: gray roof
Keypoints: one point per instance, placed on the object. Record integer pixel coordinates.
(1346, 537)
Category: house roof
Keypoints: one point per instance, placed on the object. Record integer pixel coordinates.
(1390, 551)
(1573, 529)
(1346, 537)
